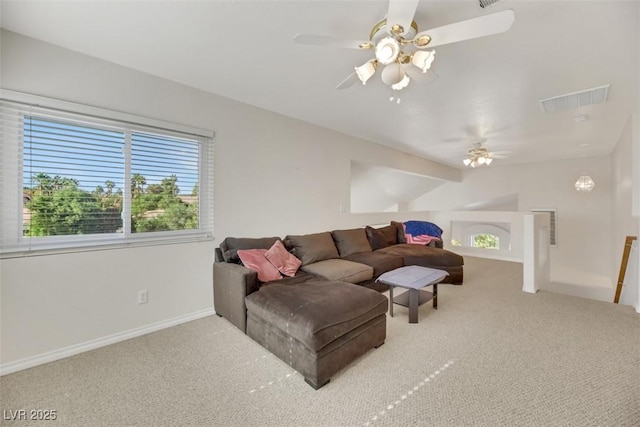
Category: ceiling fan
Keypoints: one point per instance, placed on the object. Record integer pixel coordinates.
(480, 156)
(398, 45)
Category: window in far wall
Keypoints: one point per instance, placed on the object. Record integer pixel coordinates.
(485, 241)
(482, 235)
(81, 180)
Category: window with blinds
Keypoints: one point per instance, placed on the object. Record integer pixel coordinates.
(75, 180)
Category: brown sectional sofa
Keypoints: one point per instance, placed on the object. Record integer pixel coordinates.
(331, 312)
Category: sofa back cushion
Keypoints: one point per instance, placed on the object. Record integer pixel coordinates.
(382, 237)
(351, 242)
(400, 227)
(311, 248)
(230, 246)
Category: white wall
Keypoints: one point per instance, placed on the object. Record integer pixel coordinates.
(623, 223)
(625, 164)
(382, 189)
(273, 176)
(536, 262)
(583, 253)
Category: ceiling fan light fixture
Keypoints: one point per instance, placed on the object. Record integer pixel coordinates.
(422, 40)
(366, 70)
(402, 83)
(423, 59)
(393, 74)
(477, 156)
(387, 50)
(398, 30)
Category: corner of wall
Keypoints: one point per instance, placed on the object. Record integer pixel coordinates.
(635, 164)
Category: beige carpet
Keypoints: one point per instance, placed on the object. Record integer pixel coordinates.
(489, 356)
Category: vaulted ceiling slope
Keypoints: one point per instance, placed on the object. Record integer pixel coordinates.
(481, 89)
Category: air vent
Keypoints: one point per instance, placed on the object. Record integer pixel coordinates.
(596, 95)
(552, 225)
(487, 3)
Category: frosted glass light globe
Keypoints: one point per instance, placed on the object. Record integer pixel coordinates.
(387, 50)
(392, 74)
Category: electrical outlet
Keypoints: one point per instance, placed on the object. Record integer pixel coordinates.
(143, 296)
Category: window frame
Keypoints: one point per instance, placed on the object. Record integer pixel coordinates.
(12, 242)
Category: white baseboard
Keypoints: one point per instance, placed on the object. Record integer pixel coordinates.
(599, 293)
(51, 356)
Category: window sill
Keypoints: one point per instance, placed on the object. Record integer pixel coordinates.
(23, 251)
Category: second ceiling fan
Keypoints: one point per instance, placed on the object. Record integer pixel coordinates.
(399, 47)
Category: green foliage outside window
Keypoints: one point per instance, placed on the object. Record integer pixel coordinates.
(486, 241)
(58, 206)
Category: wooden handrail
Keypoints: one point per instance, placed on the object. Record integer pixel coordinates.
(623, 265)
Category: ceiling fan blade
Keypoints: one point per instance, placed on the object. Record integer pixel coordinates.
(401, 13)
(424, 78)
(481, 26)
(349, 81)
(316, 40)
(499, 154)
(429, 77)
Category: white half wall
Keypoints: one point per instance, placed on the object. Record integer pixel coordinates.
(273, 176)
(536, 262)
(513, 221)
(583, 253)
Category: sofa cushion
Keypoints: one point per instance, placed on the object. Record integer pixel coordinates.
(382, 237)
(255, 260)
(380, 262)
(230, 246)
(318, 312)
(424, 255)
(400, 227)
(340, 270)
(282, 260)
(310, 248)
(352, 241)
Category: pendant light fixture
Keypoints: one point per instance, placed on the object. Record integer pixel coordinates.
(584, 184)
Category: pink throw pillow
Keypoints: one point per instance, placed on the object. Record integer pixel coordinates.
(285, 262)
(255, 260)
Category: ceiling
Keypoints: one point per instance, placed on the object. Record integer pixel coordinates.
(485, 88)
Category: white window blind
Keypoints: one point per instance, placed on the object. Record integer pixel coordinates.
(66, 168)
(74, 179)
